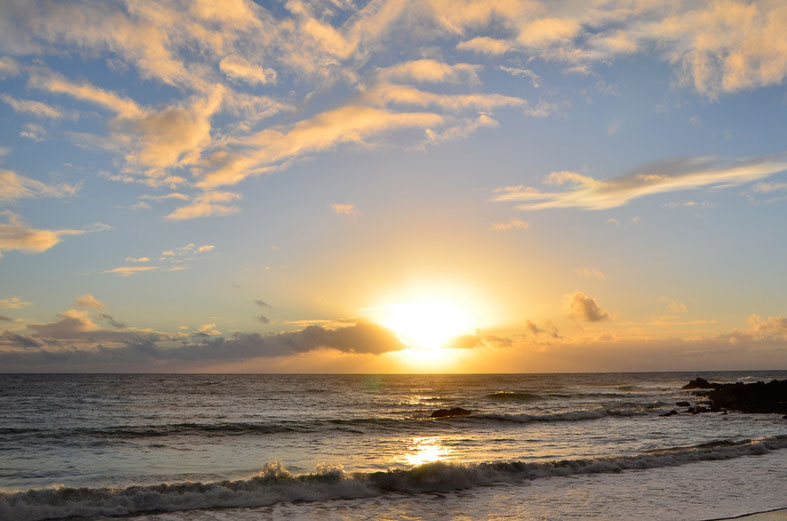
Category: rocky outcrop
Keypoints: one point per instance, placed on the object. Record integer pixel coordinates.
(453, 411)
(698, 383)
(758, 397)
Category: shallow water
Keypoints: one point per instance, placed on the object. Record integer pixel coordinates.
(536, 445)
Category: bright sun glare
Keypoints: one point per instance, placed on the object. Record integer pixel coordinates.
(428, 322)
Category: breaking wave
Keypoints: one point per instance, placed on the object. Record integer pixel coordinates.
(275, 484)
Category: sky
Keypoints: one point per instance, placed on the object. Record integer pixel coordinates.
(393, 186)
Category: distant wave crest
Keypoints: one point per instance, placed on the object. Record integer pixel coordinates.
(275, 484)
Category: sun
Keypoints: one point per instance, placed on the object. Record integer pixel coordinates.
(428, 321)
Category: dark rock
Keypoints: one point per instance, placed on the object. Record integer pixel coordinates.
(673, 412)
(453, 411)
(698, 383)
(758, 397)
(683, 404)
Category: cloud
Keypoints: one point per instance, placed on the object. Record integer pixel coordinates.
(187, 250)
(590, 273)
(512, 224)
(655, 178)
(534, 78)
(208, 329)
(772, 329)
(14, 186)
(111, 320)
(138, 259)
(262, 303)
(431, 71)
(33, 132)
(14, 303)
(75, 340)
(727, 46)
(126, 271)
(259, 152)
(485, 45)
(404, 95)
(88, 301)
(36, 108)
(207, 204)
(461, 130)
(16, 235)
(241, 70)
(9, 67)
(263, 319)
(581, 307)
(344, 209)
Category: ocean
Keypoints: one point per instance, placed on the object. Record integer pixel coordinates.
(359, 447)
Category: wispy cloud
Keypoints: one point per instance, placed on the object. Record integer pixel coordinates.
(207, 204)
(16, 235)
(431, 71)
(14, 186)
(127, 271)
(512, 224)
(590, 273)
(36, 108)
(655, 178)
(14, 303)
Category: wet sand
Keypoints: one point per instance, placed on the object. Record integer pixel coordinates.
(773, 515)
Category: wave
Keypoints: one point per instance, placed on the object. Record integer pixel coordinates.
(155, 431)
(275, 484)
(351, 425)
(513, 396)
(579, 415)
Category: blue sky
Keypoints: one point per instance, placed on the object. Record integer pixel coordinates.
(239, 186)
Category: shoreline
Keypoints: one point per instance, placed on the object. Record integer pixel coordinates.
(779, 514)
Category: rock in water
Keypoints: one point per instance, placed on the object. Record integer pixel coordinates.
(756, 397)
(698, 383)
(453, 411)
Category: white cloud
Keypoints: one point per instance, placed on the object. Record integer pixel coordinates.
(659, 177)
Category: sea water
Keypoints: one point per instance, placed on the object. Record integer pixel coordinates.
(249, 447)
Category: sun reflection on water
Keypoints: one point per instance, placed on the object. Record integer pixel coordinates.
(427, 450)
